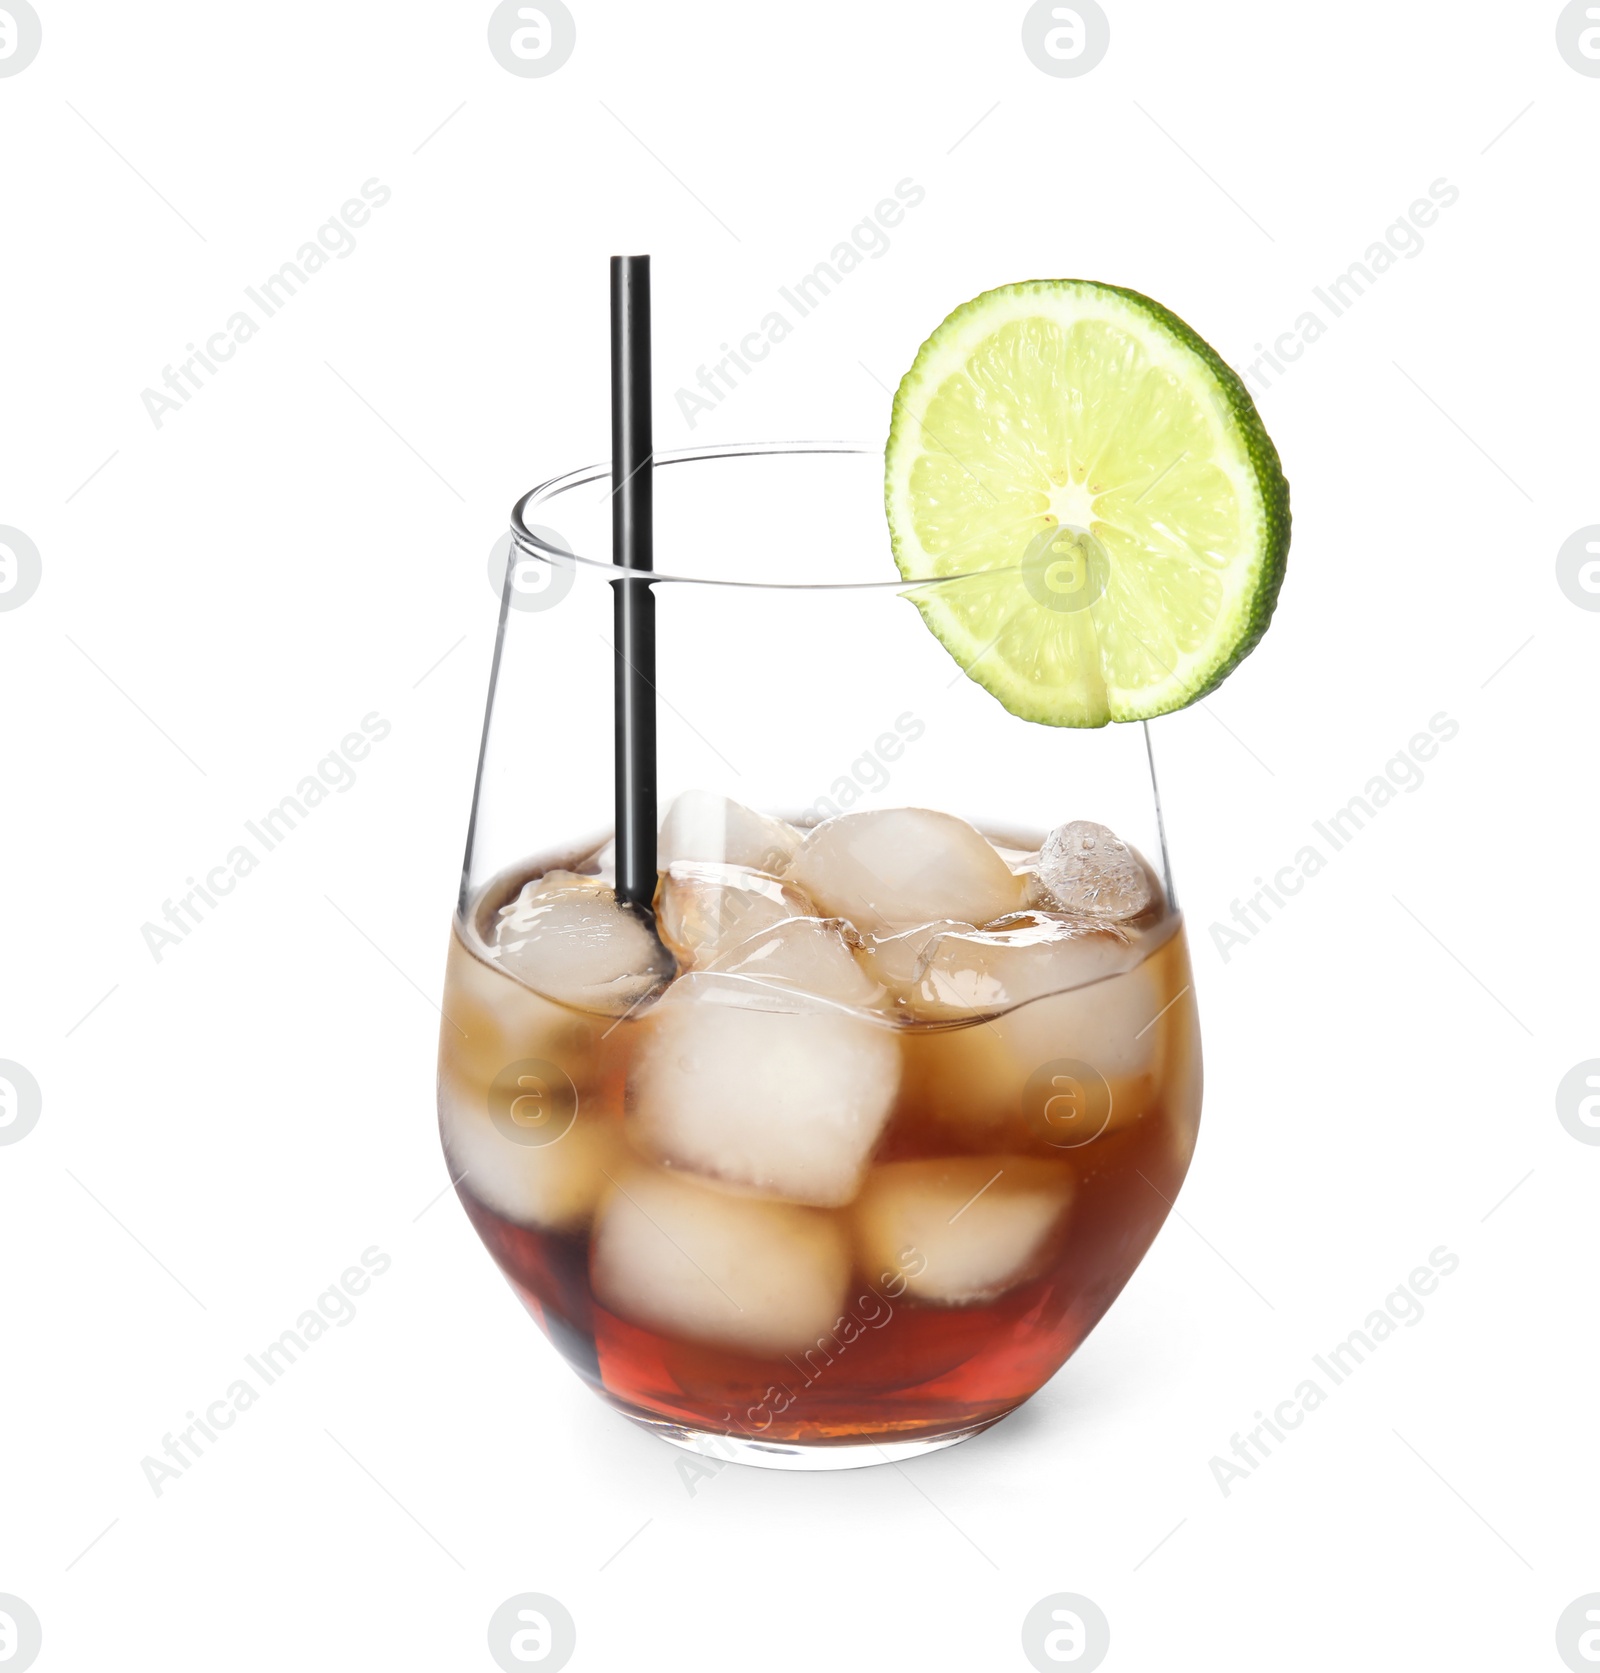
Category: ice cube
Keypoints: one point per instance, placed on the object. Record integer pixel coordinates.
(498, 1037)
(558, 881)
(553, 1186)
(811, 955)
(1109, 1024)
(1067, 1069)
(890, 870)
(1016, 959)
(962, 1228)
(695, 1262)
(1020, 860)
(702, 910)
(488, 1018)
(491, 1020)
(568, 937)
(701, 826)
(896, 960)
(787, 1100)
(1088, 869)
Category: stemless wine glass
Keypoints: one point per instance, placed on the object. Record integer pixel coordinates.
(839, 1160)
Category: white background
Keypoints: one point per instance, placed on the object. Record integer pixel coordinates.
(229, 594)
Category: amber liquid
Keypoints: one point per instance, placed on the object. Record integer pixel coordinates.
(894, 1364)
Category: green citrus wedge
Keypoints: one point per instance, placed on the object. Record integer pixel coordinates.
(1093, 491)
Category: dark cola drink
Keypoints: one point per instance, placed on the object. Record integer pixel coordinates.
(852, 1146)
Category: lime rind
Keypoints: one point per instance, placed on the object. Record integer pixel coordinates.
(1195, 573)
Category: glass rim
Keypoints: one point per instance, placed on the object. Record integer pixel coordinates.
(533, 546)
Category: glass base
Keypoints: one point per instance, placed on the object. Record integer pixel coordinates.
(853, 1454)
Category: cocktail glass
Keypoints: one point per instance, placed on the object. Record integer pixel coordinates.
(841, 1159)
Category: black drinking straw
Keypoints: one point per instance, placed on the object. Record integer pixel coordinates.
(632, 547)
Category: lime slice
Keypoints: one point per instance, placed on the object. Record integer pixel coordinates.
(1098, 489)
